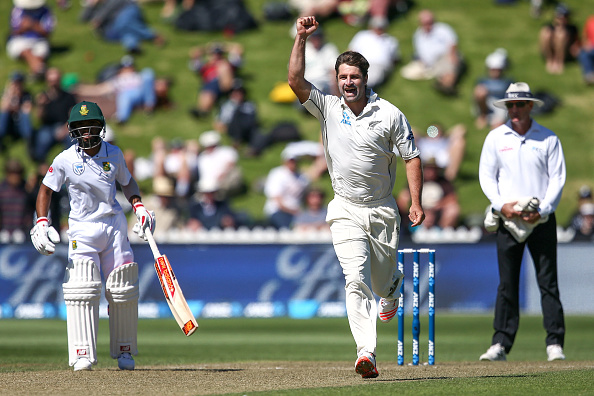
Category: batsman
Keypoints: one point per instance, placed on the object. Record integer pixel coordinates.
(98, 239)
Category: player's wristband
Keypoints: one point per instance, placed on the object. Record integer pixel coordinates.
(40, 219)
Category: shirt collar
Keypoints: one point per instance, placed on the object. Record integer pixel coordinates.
(534, 128)
(372, 98)
(101, 153)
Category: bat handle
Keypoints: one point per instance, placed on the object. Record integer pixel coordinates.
(152, 243)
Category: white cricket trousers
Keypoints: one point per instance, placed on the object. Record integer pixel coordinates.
(365, 238)
(104, 241)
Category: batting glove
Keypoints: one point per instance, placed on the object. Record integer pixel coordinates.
(44, 237)
(146, 220)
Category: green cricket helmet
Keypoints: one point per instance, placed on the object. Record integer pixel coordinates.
(86, 124)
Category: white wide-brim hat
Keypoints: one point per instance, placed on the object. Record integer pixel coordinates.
(29, 4)
(517, 92)
(209, 139)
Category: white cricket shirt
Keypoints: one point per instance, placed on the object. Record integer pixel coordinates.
(319, 64)
(358, 149)
(514, 166)
(286, 185)
(90, 181)
(381, 49)
(432, 45)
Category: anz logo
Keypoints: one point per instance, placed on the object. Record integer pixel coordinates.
(346, 119)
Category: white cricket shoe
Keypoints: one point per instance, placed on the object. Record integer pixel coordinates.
(83, 364)
(555, 352)
(126, 361)
(494, 353)
(365, 365)
(387, 309)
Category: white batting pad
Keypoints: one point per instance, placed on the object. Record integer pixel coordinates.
(82, 291)
(121, 291)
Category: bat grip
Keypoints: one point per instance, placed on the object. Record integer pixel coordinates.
(152, 243)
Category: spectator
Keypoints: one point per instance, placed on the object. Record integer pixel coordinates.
(585, 195)
(15, 110)
(16, 210)
(163, 202)
(170, 6)
(53, 107)
(436, 54)
(64, 4)
(320, 8)
(320, 57)
(490, 88)
(536, 7)
(379, 48)
(162, 91)
(559, 41)
(308, 151)
(216, 64)
(218, 165)
(120, 21)
(132, 89)
(439, 201)
(31, 24)
(383, 8)
(229, 17)
(313, 216)
(238, 118)
(284, 189)
(208, 212)
(446, 148)
(586, 54)
(581, 221)
(178, 162)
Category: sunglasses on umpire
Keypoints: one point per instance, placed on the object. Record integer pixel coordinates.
(519, 105)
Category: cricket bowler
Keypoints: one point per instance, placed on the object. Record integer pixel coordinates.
(359, 131)
(98, 239)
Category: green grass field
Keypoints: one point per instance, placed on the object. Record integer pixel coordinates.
(481, 26)
(38, 346)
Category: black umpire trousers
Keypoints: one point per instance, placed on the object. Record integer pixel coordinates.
(542, 245)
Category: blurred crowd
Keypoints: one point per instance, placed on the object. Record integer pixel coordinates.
(195, 182)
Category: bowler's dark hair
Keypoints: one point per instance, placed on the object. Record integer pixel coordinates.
(352, 58)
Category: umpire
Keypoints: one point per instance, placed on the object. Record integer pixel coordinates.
(520, 160)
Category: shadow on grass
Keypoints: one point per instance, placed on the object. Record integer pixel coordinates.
(457, 378)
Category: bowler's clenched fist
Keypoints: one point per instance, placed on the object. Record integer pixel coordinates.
(306, 26)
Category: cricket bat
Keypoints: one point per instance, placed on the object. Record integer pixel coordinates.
(173, 293)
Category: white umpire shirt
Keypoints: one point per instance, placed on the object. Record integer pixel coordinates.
(358, 149)
(90, 181)
(514, 166)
